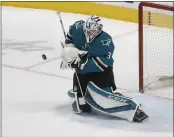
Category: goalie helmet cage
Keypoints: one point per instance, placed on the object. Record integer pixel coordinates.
(151, 8)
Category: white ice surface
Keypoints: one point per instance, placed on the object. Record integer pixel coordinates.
(34, 91)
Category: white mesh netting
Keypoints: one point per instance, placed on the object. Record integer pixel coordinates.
(157, 47)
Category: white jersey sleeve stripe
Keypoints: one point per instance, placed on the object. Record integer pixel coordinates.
(97, 65)
(101, 62)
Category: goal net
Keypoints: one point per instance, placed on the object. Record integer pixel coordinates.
(155, 45)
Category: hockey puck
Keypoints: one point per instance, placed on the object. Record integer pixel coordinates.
(44, 56)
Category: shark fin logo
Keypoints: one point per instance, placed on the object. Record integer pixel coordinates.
(106, 42)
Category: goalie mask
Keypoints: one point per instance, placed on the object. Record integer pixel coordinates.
(92, 28)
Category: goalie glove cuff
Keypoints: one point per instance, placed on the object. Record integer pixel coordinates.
(82, 65)
(79, 62)
(74, 64)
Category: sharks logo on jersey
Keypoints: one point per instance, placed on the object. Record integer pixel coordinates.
(106, 42)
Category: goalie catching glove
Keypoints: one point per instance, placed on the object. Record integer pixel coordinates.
(73, 58)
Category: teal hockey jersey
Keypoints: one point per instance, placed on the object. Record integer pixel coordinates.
(100, 49)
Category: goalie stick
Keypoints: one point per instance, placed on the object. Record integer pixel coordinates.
(63, 29)
(60, 19)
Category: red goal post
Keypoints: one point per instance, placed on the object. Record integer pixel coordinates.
(151, 16)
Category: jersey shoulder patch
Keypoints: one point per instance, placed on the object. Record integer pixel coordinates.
(78, 24)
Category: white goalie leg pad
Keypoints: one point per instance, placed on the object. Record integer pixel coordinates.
(108, 103)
